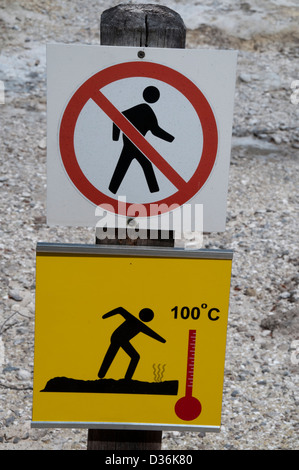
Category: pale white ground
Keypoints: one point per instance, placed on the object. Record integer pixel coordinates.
(260, 399)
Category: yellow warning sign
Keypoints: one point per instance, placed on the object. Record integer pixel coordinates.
(130, 337)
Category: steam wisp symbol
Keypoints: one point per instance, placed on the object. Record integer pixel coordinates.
(158, 372)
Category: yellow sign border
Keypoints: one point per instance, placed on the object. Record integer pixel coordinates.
(198, 284)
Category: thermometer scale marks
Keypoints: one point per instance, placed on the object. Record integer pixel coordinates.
(188, 407)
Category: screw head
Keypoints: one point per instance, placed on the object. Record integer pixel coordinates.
(141, 54)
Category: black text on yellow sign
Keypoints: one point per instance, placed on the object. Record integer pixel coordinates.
(130, 338)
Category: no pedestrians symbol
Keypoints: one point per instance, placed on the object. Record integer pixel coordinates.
(92, 90)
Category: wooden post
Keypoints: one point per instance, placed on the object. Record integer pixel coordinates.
(137, 26)
(116, 439)
(142, 26)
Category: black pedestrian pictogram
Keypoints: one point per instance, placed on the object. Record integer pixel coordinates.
(143, 119)
(121, 337)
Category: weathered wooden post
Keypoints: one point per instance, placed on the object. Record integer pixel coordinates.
(137, 26)
(142, 26)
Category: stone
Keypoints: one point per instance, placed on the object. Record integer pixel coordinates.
(15, 295)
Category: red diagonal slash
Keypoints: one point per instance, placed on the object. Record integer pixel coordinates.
(138, 139)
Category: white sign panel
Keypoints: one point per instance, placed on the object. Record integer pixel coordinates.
(145, 138)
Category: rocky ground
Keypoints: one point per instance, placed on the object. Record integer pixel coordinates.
(260, 400)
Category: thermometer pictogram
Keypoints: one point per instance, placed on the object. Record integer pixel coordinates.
(188, 407)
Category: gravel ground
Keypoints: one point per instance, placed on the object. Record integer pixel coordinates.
(260, 400)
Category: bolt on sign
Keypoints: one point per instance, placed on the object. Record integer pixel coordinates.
(138, 137)
(124, 340)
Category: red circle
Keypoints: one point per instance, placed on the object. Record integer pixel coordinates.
(147, 70)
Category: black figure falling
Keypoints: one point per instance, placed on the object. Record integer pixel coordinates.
(144, 119)
(121, 337)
